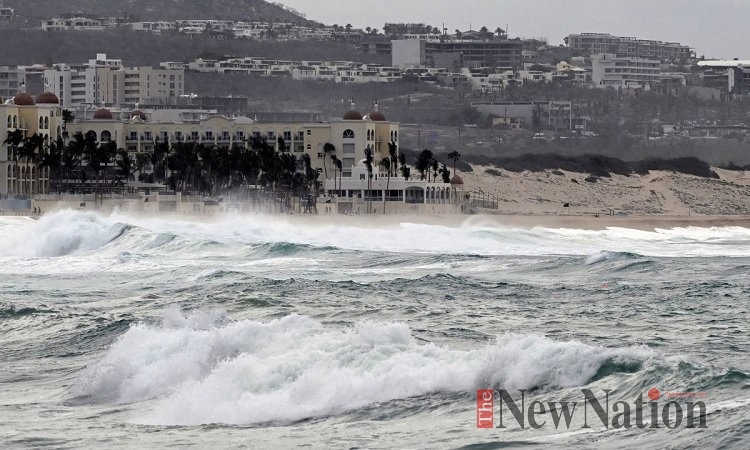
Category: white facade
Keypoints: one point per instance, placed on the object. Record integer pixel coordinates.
(11, 81)
(105, 81)
(609, 70)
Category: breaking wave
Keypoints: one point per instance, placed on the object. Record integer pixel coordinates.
(204, 369)
(72, 232)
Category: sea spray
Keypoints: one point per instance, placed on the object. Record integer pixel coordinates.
(246, 372)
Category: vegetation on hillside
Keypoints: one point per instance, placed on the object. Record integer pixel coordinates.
(136, 48)
(149, 10)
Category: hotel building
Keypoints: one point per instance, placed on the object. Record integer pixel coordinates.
(21, 176)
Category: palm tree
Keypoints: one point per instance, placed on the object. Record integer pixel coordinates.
(434, 166)
(405, 170)
(499, 31)
(393, 153)
(424, 161)
(14, 140)
(368, 165)
(52, 160)
(327, 148)
(454, 155)
(446, 174)
(385, 163)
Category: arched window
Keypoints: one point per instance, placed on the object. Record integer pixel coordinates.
(41, 123)
(395, 135)
(91, 134)
(106, 136)
(46, 123)
(10, 121)
(348, 134)
(15, 121)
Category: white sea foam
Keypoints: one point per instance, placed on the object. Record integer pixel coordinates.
(70, 232)
(246, 372)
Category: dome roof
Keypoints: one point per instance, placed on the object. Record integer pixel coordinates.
(139, 114)
(102, 114)
(47, 98)
(352, 115)
(377, 116)
(23, 99)
(457, 180)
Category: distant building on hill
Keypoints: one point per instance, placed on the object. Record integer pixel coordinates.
(455, 54)
(12, 79)
(630, 47)
(609, 70)
(105, 81)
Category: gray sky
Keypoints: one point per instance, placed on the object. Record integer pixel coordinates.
(715, 28)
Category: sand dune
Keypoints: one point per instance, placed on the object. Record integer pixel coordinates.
(657, 193)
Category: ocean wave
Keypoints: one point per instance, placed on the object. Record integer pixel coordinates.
(202, 369)
(70, 232)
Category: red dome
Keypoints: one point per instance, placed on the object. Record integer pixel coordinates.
(353, 115)
(139, 114)
(103, 114)
(377, 116)
(23, 100)
(457, 180)
(47, 98)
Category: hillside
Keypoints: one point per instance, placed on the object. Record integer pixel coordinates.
(148, 10)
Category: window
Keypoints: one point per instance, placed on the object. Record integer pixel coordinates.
(148, 136)
(178, 135)
(287, 135)
(41, 123)
(133, 135)
(106, 136)
(309, 132)
(10, 121)
(209, 135)
(348, 148)
(194, 135)
(348, 134)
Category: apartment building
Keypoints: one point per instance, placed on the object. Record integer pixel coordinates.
(107, 81)
(455, 54)
(12, 79)
(610, 70)
(594, 43)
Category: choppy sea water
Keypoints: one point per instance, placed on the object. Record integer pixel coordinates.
(270, 333)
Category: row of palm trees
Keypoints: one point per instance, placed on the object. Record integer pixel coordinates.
(85, 165)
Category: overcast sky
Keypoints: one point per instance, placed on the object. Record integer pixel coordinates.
(715, 28)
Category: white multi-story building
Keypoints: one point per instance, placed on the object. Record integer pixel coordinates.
(105, 81)
(594, 43)
(350, 136)
(609, 70)
(72, 23)
(12, 79)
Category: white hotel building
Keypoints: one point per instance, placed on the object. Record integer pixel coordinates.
(609, 70)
